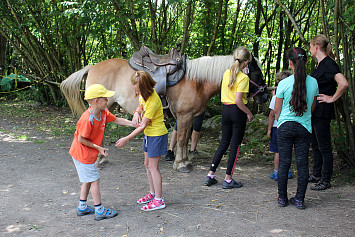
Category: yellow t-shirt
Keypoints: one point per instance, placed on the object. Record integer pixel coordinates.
(240, 85)
(153, 110)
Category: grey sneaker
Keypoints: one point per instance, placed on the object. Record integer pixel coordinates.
(321, 185)
(106, 214)
(313, 179)
(209, 181)
(88, 210)
(232, 184)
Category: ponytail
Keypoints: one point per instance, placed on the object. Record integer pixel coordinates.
(298, 102)
(241, 54)
(324, 45)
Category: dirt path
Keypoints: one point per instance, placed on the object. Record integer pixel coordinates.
(39, 192)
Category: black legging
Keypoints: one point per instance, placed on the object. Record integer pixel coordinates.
(322, 148)
(233, 128)
(293, 135)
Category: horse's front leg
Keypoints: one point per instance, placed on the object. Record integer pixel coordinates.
(181, 163)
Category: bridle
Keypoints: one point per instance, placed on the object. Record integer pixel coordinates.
(260, 88)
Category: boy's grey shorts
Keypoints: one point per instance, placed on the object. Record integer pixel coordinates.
(87, 172)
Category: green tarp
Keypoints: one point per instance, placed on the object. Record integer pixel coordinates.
(7, 83)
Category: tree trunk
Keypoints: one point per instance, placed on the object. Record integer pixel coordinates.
(3, 43)
(130, 28)
(186, 27)
(235, 21)
(225, 17)
(257, 29)
(324, 23)
(152, 12)
(292, 19)
(336, 38)
(215, 32)
(281, 40)
(288, 43)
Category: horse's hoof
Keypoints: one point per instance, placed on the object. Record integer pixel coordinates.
(185, 169)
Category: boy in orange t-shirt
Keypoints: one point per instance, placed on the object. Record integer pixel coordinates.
(87, 145)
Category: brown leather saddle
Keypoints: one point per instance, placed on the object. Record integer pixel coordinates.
(167, 70)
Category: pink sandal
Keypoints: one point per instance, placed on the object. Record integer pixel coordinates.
(147, 198)
(154, 205)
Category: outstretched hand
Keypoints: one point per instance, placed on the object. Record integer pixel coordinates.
(121, 142)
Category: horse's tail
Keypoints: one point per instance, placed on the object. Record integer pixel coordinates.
(70, 87)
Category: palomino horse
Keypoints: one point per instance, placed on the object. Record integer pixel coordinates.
(187, 99)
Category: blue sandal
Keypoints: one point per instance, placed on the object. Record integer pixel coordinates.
(88, 210)
(106, 214)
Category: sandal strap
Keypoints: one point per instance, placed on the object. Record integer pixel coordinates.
(146, 198)
(152, 204)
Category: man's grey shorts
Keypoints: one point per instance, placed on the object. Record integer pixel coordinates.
(87, 172)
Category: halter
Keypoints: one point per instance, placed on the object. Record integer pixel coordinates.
(260, 88)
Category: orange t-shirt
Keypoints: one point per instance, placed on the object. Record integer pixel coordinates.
(93, 130)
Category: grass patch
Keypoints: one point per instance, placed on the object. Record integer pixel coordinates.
(55, 122)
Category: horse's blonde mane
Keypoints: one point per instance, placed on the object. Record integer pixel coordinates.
(208, 68)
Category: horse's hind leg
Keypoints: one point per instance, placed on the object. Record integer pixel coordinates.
(181, 163)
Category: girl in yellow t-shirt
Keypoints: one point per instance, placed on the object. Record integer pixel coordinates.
(235, 86)
(149, 118)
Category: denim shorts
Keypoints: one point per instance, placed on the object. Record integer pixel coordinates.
(87, 172)
(155, 146)
(273, 142)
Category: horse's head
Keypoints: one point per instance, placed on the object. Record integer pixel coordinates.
(257, 87)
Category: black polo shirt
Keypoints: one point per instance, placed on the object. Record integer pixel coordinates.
(324, 73)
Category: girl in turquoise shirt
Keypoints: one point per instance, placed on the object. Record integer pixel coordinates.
(296, 97)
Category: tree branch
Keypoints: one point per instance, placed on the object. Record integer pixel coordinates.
(293, 22)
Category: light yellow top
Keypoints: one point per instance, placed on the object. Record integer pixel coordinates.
(153, 110)
(240, 85)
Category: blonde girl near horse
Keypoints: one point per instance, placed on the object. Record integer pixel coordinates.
(149, 118)
(234, 90)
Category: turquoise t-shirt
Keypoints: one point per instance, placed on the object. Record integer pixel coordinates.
(284, 91)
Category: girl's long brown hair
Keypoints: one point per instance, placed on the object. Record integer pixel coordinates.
(145, 83)
(298, 102)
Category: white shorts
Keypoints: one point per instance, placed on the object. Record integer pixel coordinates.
(87, 172)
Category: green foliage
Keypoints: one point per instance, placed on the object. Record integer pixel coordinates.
(255, 141)
(113, 132)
